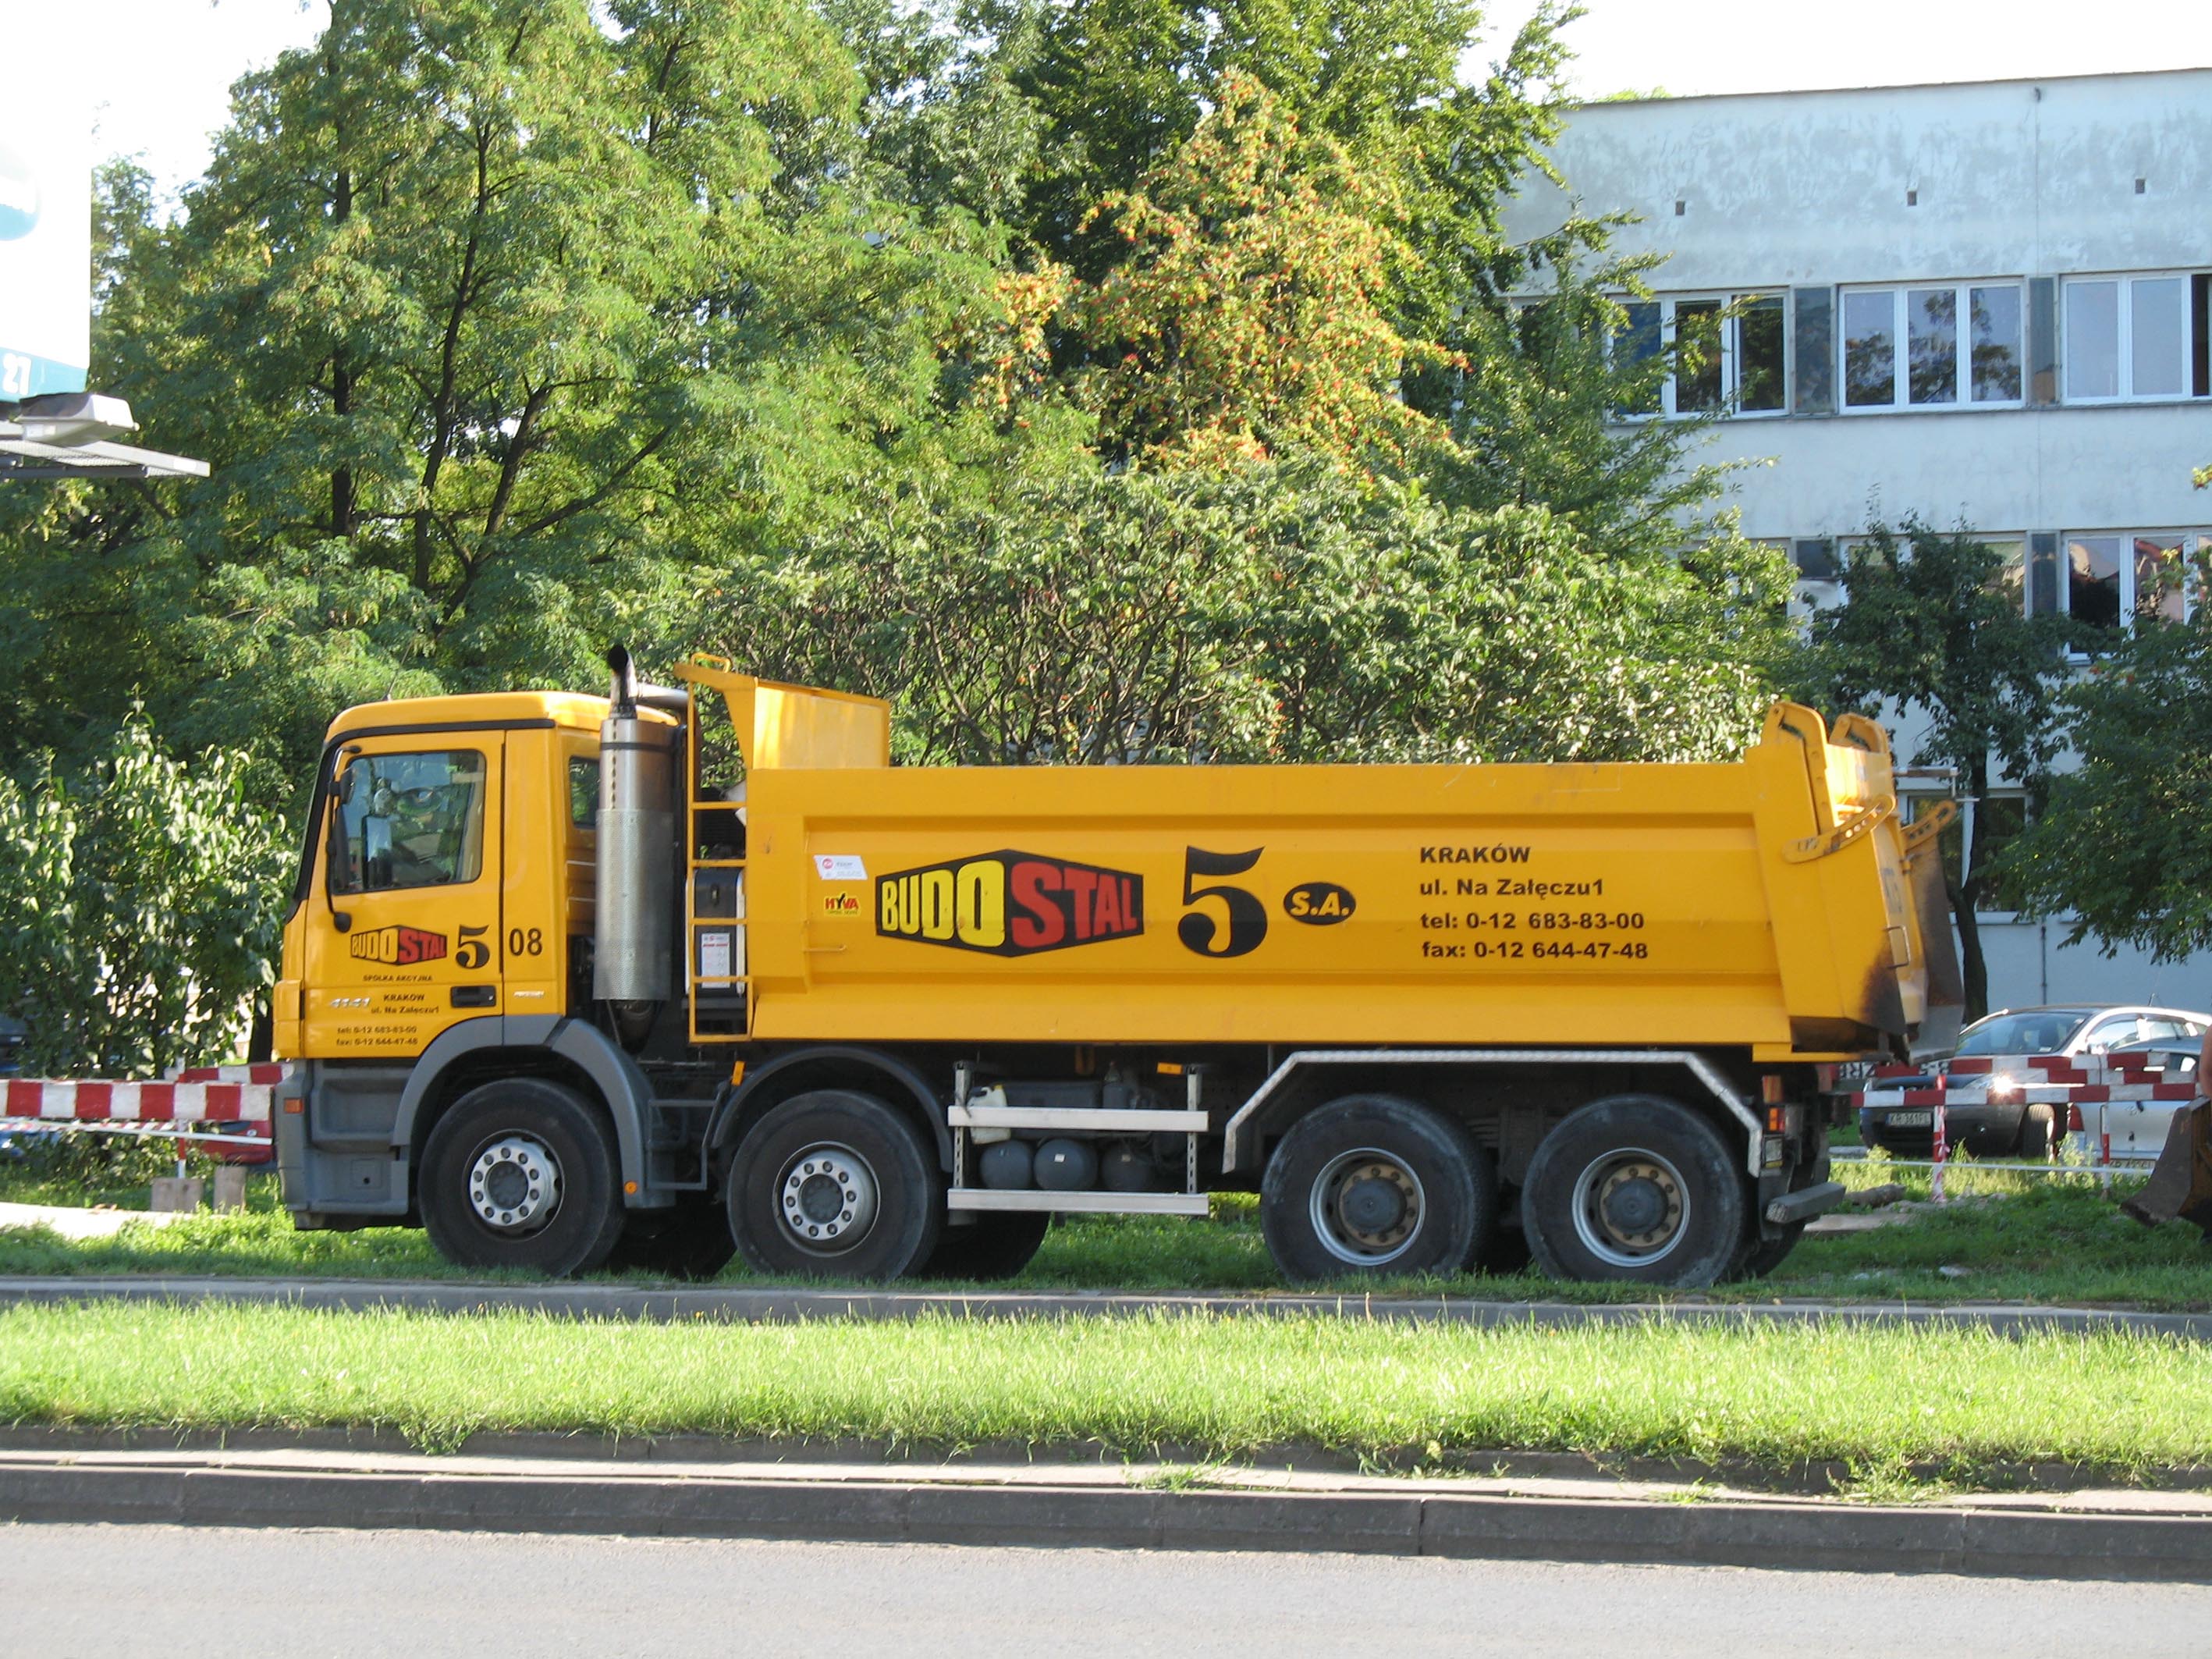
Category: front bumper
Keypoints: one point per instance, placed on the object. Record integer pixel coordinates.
(1985, 1129)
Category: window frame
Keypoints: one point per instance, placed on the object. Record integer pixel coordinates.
(1962, 382)
(2197, 542)
(339, 853)
(1731, 368)
(2123, 366)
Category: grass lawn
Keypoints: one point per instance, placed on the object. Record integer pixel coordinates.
(1953, 1406)
(2005, 1237)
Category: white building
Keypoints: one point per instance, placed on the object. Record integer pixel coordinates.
(1983, 304)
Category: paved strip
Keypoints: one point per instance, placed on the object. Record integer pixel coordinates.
(71, 1222)
(1112, 1511)
(765, 1305)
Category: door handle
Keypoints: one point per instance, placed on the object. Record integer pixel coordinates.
(476, 996)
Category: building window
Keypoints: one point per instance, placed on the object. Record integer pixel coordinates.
(2107, 578)
(1934, 347)
(1734, 352)
(1820, 583)
(2132, 339)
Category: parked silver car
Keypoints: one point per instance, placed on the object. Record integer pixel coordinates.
(1984, 1114)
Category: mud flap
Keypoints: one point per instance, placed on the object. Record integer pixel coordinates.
(2180, 1184)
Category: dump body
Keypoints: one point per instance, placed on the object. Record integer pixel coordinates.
(1423, 905)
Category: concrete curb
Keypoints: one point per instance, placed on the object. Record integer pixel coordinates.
(1819, 1479)
(751, 1304)
(1832, 1536)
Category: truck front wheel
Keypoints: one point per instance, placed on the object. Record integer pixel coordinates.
(1374, 1184)
(834, 1184)
(1636, 1188)
(521, 1173)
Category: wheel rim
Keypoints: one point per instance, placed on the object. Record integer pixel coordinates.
(515, 1184)
(1366, 1206)
(1631, 1207)
(826, 1199)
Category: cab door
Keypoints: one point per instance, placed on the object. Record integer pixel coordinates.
(402, 929)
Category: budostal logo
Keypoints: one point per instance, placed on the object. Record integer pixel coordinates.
(397, 945)
(1010, 904)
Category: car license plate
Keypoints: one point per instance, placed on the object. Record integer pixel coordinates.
(1911, 1120)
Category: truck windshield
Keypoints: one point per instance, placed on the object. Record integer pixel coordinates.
(2037, 1031)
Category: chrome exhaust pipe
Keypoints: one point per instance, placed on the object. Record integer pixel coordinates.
(634, 947)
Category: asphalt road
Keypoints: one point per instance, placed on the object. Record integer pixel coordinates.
(185, 1592)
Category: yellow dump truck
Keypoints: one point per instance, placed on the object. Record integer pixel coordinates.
(649, 978)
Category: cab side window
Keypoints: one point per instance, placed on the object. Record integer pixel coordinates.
(583, 792)
(410, 820)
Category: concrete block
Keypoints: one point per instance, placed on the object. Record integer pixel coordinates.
(229, 1187)
(178, 1193)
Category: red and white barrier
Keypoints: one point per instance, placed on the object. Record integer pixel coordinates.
(2042, 1081)
(226, 1105)
(2087, 1086)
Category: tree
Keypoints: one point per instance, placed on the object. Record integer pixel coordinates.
(1248, 316)
(143, 899)
(1929, 628)
(2125, 842)
(1284, 609)
(491, 321)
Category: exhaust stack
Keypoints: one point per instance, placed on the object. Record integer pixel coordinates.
(633, 959)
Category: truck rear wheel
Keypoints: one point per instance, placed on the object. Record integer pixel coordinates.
(1375, 1184)
(997, 1244)
(1637, 1187)
(522, 1174)
(834, 1184)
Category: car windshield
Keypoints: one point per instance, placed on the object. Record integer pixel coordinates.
(2037, 1031)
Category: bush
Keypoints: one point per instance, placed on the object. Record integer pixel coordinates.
(140, 906)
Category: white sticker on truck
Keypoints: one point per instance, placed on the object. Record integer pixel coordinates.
(839, 867)
(715, 955)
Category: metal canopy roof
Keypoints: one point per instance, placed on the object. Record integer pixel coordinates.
(71, 435)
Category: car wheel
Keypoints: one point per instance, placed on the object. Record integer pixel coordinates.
(522, 1174)
(1636, 1188)
(834, 1184)
(1375, 1184)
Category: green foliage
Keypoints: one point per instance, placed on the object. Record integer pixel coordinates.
(1931, 627)
(142, 902)
(1248, 315)
(514, 327)
(487, 320)
(1278, 612)
(2124, 841)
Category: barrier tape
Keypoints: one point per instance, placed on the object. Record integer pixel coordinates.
(140, 1102)
(2060, 1080)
